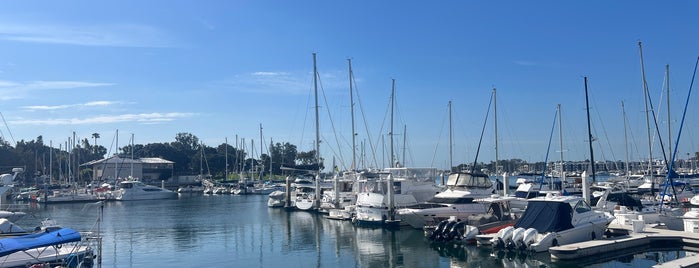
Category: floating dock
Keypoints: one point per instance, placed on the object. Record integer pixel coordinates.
(648, 238)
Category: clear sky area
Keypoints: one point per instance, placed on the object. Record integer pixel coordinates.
(221, 69)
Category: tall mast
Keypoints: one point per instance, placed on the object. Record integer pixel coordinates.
(261, 147)
(626, 143)
(495, 113)
(451, 142)
(669, 131)
(645, 99)
(116, 169)
(393, 100)
(226, 152)
(354, 134)
(315, 86)
(405, 137)
(589, 132)
(560, 141)
(132, 149)
(317, 143)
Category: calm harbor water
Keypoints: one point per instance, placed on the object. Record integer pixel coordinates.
(241, 231)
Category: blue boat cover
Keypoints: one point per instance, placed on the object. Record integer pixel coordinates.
(36, 240)
(546, 216)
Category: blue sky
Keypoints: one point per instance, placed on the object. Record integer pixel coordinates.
(219, 69)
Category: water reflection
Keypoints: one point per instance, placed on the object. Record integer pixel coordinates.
(241, 231)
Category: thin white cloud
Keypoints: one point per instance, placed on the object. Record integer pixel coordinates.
(284, 83)
(115, 35)
(526, 63)
(67, 106)
(14, 90)
(144, 118)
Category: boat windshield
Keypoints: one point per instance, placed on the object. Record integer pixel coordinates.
(451, 200)
(469, 180)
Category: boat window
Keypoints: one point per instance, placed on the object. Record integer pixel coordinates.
(469, 180)
(582, 207)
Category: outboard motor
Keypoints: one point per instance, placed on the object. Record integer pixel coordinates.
(516, 241)
(503, 237)
(438, 230)
(442, 236)
(456, 231)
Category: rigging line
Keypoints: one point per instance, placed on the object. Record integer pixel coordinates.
(366, 125)
(439, 138)
(679, 133)
(383, 122)
(548, 149)
(485, 123)
(332, 124)
(8, 128)
(657, 130)
(606, 137)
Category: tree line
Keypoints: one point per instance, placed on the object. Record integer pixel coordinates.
(189, 155)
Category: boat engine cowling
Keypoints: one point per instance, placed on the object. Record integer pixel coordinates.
(456, 231)
(503, 237)
(517, 236)
(470, 232)
(529, 237)
(438, 230)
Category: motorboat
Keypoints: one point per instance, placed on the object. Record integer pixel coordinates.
(339, 201)
(457, 200)
(276, 199)
(130, 190)
(551, 221)
(464, 230)
(56, 246)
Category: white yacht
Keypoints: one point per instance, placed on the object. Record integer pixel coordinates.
(380, 194)
(551, 221)
(136, 190)
(457, 201)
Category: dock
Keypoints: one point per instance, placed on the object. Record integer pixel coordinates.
(648, 239)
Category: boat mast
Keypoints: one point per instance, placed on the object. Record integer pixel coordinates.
(393, 99)
(354, 134)
(451, 142)
(405, 137)
(669, 131)
(261, 147)
(626, 143)
(132, 149)
(560, 141)
(645, 99)
(495, 117)
(226, 152)
(116, 159)
(589, 136)
(317, 143)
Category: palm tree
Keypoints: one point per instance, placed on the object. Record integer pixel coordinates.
(95, 136)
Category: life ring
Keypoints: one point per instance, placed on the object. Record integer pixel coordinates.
(325, 199)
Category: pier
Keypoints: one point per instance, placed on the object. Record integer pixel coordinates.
(648, 238)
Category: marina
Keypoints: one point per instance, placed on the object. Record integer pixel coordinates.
(214, 230)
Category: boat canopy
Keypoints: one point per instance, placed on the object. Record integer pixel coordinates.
(469, 180)
(546, 216)
(36, 240)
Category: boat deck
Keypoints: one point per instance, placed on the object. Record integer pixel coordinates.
(649, 237)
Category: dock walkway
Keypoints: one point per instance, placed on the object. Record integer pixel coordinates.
(649, 238)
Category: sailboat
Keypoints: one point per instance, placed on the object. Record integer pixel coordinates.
(554, 220)
(381, 194)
